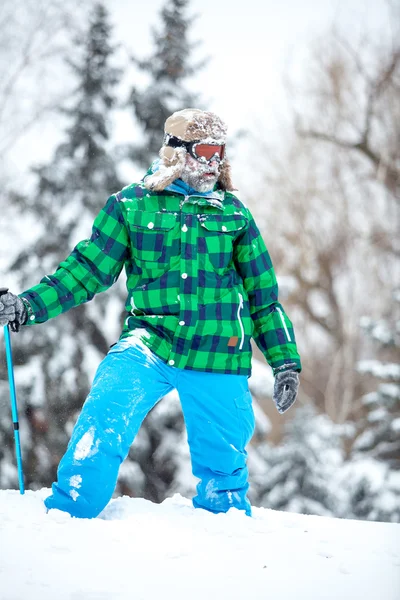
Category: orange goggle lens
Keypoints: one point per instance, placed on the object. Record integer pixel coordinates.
(207, 151)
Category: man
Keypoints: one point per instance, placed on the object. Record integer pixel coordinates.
(200, 285)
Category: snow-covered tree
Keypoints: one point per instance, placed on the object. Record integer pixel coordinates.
(57, 359)
(167, 68)
(299, 472)
(373, 473)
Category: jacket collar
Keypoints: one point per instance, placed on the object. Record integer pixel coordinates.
(214, 197)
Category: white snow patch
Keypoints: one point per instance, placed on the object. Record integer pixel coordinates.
(139, 333)
(84, 446)
(75, 481)
(135, 339)
(210, 489)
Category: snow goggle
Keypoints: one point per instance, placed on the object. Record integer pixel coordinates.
(198, 150)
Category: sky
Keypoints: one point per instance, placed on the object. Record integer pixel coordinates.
(137, 549)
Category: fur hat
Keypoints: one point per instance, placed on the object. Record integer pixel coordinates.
(189, 125)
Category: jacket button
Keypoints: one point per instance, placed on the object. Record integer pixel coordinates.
(150, 225)
(171, 362)
(184, 228)
(181, 323)
(184, 275)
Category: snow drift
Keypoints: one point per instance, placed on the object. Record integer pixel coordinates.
(137, 549)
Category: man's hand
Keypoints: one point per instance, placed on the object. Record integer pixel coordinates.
(12, 310)
(285, 390)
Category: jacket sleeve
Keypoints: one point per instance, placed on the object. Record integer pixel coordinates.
(92, 267)
(273, 331)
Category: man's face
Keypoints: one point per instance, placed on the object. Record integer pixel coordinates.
(201, 176)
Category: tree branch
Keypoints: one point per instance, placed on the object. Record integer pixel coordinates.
(389, 175)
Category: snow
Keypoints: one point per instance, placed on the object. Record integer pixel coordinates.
(75, 482)
(261, 382)
(379, 369)
(135, 338)
(137, 549)
(395, 425)
(84, 446)
(379, 330)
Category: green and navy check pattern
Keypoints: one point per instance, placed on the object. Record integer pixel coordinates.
(200, 281)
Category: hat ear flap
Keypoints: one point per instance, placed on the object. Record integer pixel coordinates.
(170, 168)
(225, 179)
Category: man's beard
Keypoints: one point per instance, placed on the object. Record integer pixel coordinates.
(202, 178)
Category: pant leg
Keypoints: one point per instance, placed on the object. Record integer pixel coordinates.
(220, 423)
(128, 383)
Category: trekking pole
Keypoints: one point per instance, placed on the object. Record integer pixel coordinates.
(13, 397)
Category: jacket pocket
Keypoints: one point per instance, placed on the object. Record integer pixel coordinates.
(152, 236)
(219, 233)
(245, 414)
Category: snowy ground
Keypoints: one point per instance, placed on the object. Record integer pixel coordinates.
(143, 551)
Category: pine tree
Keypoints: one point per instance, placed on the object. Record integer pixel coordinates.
(60, 356)
(168, 68)
(299, 472)
(373, 472)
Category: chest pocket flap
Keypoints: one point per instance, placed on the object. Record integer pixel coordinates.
(219, 236)
(223, 223)
(152, 221)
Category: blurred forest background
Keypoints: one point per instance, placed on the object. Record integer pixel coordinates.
(326, 198)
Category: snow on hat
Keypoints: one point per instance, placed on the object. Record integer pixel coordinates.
(189, 125)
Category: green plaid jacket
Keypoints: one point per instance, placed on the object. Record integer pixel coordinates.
(200, 280)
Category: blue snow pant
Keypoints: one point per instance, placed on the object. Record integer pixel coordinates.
(129, 381)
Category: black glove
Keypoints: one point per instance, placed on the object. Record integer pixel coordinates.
(12, 310)
(285, 390)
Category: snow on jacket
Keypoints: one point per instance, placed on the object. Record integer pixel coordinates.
(200, 280)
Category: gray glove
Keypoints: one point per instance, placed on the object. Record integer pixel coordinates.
(12, 310)
(285, 390)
